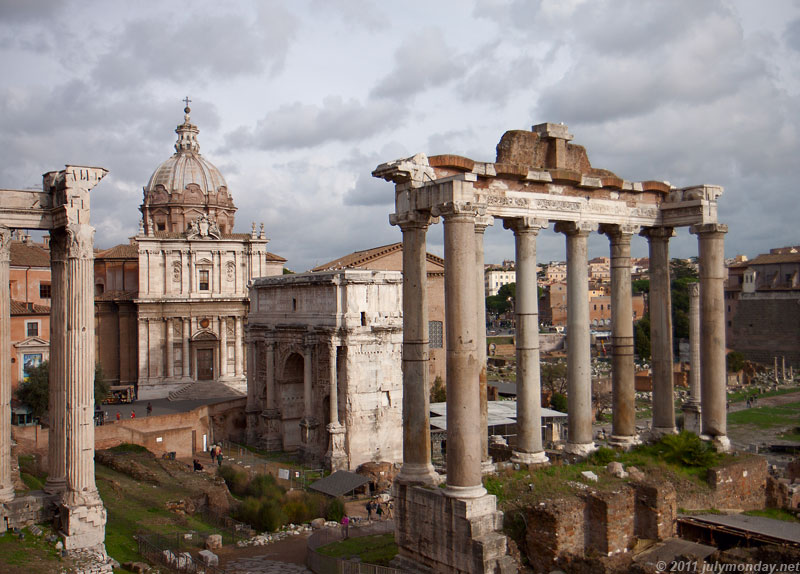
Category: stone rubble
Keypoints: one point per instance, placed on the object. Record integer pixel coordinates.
(269, 537)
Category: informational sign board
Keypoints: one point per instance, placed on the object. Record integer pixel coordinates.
(283, 473)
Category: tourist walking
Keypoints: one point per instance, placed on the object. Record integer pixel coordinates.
(346, 526)
(149, 409)
(369, 510)
(219, 456)
(379, 510)
(133, 414)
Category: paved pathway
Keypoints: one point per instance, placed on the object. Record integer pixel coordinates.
(261, 565)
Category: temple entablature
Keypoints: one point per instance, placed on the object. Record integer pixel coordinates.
(540, 173)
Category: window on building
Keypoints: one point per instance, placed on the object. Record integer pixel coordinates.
(203, 280)
(32, 328)
(161, 226)
(435, 334)
(44, 290)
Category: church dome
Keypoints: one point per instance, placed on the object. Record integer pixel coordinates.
(186, 166)
(186, 187)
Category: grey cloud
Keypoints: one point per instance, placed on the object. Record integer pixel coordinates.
(370, 191)
(361, 12)
(200, 48)
(300, 125)
(422, 61)
(493, 79)
(791, 34)
(23, 11)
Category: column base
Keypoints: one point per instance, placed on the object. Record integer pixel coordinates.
(464, 492)
(488, 466)
(624, 442)
(692, 418)
(657, 432)
(580, 449)
(721, 443)
(412, 473)
(529, 458)
(55, 486)
(83, 525)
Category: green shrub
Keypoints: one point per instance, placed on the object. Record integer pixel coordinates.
(261, 514)
(237, 480)
(334, 510)
(686, 449)
(558, 402)
(602, 456)
(494, 485)
(265, 486)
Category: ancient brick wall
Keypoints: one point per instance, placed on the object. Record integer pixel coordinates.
(610, 521)
(656, 509)
(764, 328)
(555, 528)
(740, 484)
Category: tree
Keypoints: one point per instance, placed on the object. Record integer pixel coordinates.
(735, 361)
(554, 377)
(640, 286)
(641, 337)
(35, 392)
(558, 402)
(438, 391)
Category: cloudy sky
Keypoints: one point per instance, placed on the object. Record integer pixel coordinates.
(298, 101)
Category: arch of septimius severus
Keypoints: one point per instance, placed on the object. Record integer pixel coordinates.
(62, 208)
(538, 178)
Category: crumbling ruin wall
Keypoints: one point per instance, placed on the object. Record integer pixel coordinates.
(656, 509)
(740, 484)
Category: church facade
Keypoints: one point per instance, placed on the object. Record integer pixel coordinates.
(171, 305)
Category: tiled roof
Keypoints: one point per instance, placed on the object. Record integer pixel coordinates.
(121, 251)
(23, 308)
(29, 255)
(117, 296)
(772, 258)
(273, 257)
(358, 259)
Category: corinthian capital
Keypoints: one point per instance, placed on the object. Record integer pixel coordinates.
(575, 227)
(5, 243)
(662, 233)
(708, 228)
(80, 241)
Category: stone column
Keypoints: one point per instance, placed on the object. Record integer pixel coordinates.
(270, 375)
(309, 421)
(83, 515)
(529, 448)
(691, 408)
(463, 393)
(661, 330)
(623, 389)
(185, 360)
(6, 484)
(144, 350)
(223, 347)
(335, 458)
(417, 466)
(238, 349)
(57, 406)
(252, 381)
(170, 349)
(481, 223)
(713, 377)
(579, 358)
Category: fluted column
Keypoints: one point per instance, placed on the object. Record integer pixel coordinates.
(238, 349)
(623, 389)
(529, 448)
(579, 372)
(252, 380)
(481, 223)
(417, 466)
(711, 242)
(6, 485)
(144, 349)
(187, 334)
(223, 347)
(661, 330)
(170, 349)
(463, 392)
(57, 406)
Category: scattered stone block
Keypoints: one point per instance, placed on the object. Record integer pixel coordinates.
(318, 523)
(589, 475)
(208, 558)
(635, 473)
(213, 542)
(615, 468)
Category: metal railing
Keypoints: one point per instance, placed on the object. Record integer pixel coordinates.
(256, 463)
(322, 564)
(158, 549)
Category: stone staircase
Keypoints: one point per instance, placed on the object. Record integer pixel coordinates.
(205, 390)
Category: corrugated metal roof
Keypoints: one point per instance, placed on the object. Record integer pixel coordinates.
(779, 529)
(500, 413)
(339, 483)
